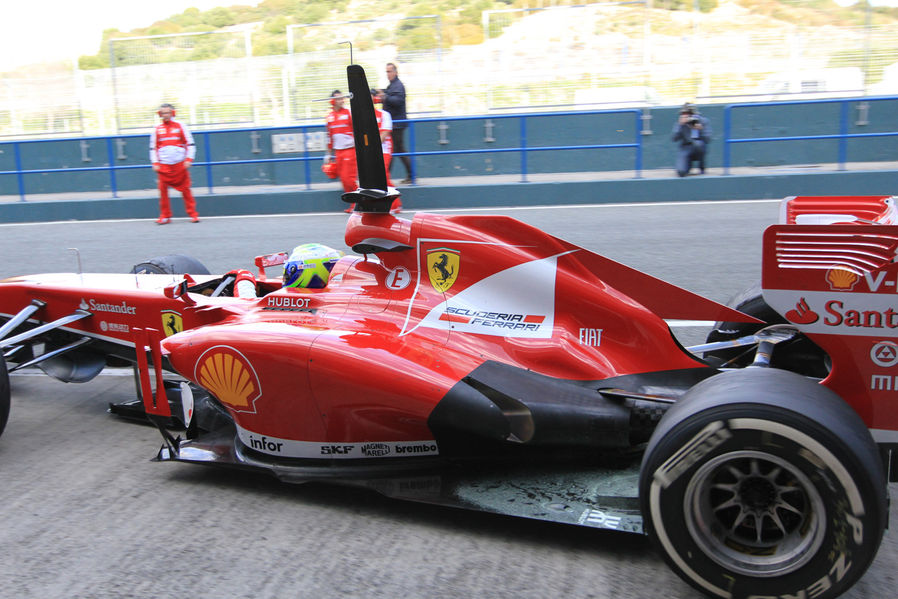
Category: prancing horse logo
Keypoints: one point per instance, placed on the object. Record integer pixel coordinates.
(442, 267)
(171, 322)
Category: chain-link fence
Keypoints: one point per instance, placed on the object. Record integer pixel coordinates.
(620, 53)
(211, 77)
(606, 54)
(43, 104)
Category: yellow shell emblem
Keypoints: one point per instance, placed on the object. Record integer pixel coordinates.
(228, 375)
(841, 279)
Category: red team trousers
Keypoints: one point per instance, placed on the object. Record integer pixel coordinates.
(177, 176)
(346, 168)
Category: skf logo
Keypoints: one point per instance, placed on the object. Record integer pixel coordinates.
(442, 267)
(228, 375)
(336, 449)
(841, 279)
(172, 322)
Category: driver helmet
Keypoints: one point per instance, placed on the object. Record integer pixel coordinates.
(310, 265)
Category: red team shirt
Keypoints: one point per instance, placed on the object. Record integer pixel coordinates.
(171, 143)
(339, 129)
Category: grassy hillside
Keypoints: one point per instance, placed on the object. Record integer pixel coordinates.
(460, 23)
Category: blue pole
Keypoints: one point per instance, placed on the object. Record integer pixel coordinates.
(726, 139)
(638, 145)
(843, 131)
(523, 149)
(306, 167)
(208, 151)
(19, 177)
(411, 147)
(111, 158)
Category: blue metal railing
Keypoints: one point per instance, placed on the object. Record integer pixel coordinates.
(522, 147)
(308, 156)
(842, 136)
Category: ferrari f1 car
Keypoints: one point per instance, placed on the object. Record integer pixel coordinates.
(477, 362)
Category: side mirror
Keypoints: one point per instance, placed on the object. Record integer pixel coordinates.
(263, 262)
(179, 291)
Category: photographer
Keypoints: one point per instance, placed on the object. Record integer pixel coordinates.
(691, 133)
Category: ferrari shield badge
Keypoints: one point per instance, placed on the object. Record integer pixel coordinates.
(442, 267)
(172, 322)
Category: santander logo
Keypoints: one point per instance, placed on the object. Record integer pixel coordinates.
(802, 314)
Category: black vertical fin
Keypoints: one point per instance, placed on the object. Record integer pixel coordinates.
(373, 194)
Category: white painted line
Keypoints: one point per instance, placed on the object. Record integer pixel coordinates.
(673, 323)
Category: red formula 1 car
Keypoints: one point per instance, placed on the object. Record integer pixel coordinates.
(477, 362)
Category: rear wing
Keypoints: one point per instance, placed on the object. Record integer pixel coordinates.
(824, 210)
(838, 284)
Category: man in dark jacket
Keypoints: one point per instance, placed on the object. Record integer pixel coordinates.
(692, 134)
(393, 99)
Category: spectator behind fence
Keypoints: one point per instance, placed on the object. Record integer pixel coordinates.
(393, 99)
(692, 134)
(171, 153)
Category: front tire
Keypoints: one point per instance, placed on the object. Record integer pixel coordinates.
(173, 264)
(763, 483)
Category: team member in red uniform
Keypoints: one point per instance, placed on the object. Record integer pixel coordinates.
(171, 152)
(341, 143)
(385, 126)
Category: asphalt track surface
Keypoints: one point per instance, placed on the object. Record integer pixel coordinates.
(85, 514)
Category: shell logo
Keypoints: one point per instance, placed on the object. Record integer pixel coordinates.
(841, 279)
(228, 375)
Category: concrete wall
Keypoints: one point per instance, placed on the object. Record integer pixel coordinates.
(486, 133)
(671, 189)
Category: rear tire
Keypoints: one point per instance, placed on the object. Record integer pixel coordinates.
(4, 394)
(173, 264)
(761, 482)
(799, 355)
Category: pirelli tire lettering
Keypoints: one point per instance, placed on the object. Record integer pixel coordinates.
(762, 484)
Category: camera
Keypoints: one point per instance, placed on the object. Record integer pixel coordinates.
(693, 122)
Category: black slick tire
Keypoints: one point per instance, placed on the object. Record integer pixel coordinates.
(173, 264)
(4, 395)
(799, 355)
(763, 483)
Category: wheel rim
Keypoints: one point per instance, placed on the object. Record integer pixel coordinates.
(754, 514)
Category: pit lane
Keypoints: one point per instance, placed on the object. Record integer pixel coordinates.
(86, 514)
